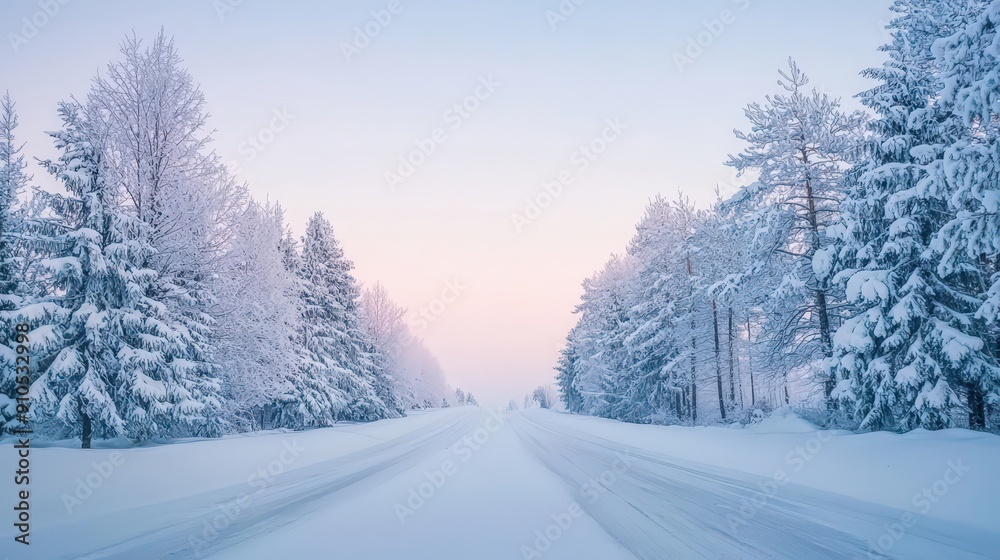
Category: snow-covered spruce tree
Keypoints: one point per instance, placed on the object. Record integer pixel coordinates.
(968, 244)
(122, 370)
(13, 181)
(891, 375)
(800, 145)
(153, 121)
(566, 373)
(662, 384)
(331, 327)
(313, 398)
(597, 375)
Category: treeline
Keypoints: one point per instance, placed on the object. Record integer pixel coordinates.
(161, 300)
(857, 276)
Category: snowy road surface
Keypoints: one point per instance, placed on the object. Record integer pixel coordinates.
(470, 484)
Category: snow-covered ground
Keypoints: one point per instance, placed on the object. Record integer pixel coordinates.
(466, 483)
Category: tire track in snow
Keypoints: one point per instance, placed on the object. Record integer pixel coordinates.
(662, 508)
(294, 495)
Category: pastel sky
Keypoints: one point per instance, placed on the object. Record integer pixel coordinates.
(330, 122)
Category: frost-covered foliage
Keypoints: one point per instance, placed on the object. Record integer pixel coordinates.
(859, 272)
(164, 301)
(415, 375)
(340, 377)
(800, 144)
(13, 182)
(914, 245)
(256, 305)
(122, 367)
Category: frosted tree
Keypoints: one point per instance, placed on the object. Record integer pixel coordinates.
(421, 372)
(313, 398)
(416, 376)
(743, 280)
(331, 327)
(886, 225)
(566, 371)
(123, 369)
(384, 325)
(257, 305)
(662, 340)
(544, 396)
(968, 244)
(13, 181)
(799, 145)
(152, 119)
(720, 249)
(596, 375)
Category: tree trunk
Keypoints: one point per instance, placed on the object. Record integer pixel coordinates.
(86, 429)
(732, 362)
(718, 360)
(694, 400)
(753, 393)
(977, 409)
(694, 352)
(825, 336)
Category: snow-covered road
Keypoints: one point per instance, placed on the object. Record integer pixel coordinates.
(472, 484)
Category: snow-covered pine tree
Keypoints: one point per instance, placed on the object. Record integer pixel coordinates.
(598, 376)
(662, 368)
(968, 244)
(888, 374)
(153, 122)
(122, 369)
(13, 181)
(800, 144)
(331, 327)
(566, 370)
(313, 399)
